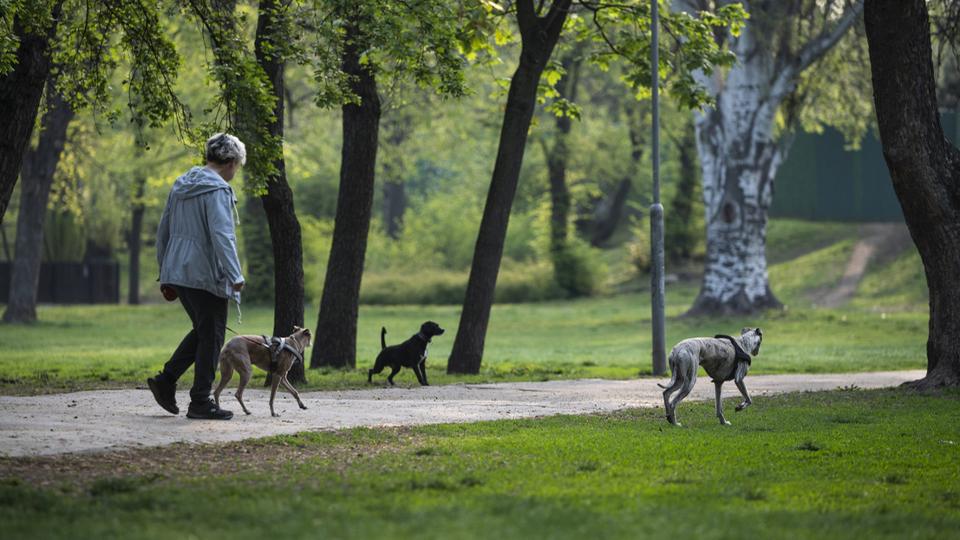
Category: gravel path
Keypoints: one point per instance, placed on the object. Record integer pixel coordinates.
(110, 419)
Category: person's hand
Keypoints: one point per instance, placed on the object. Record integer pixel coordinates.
(237, 287)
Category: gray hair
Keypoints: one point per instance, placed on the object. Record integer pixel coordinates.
(225, 148)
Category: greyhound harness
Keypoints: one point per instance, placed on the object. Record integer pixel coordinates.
(739, 355)
(276, 345)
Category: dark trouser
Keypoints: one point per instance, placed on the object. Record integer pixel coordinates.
(202, 345)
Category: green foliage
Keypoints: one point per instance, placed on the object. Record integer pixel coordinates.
(418, 41)
(623, 31)
(515, 283)
(245, 100)
(639, 246)
(578, 268)
(98, 37)
(64, 239)
(26, 16)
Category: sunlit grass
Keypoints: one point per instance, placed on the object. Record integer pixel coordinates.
(845, 464)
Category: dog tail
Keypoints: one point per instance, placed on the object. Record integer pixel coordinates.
(673, 374)
(383, 339)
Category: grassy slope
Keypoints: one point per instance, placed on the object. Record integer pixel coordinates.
(850, 464)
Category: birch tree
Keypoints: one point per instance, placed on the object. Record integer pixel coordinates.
(744, 137)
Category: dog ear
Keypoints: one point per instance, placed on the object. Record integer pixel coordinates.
(745, 330)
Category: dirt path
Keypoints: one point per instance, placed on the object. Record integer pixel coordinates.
(110, 419)
(878, 241)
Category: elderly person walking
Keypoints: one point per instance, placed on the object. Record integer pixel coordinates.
(197, 253)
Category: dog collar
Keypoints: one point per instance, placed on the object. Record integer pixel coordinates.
(423, 337)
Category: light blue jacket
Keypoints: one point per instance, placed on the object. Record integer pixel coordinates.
(196, 239)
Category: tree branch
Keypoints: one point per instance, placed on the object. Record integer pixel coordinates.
(814, 49)
(526, 17)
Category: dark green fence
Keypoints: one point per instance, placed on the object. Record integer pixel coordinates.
(821, 181)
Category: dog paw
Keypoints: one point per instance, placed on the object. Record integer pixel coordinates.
(275, 415)
(302, 406)
(248, 413)
(725, 423)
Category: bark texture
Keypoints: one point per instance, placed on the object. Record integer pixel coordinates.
(135, 241)
(539, 35)
(336, 332)
(20, 93)
(39, 166)
(681, 237)
(287, 255)
(924, 167)
(608, 211)
(740, 152)
(556, 157)
(397, 127)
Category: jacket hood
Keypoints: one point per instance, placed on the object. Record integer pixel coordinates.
(197, 181)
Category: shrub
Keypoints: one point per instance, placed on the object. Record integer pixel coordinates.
(515, 283)
(578, 269)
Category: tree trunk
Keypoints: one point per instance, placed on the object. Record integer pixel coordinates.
(394, 206)
(739, 158)
(257, 252)
(39, 166)
(924, 167)
(336, 332)
(739, 151)
(539, 36)
(396, 126)
(20, 93)
(738, 171)
(681, 235)
(278, 202)
(556, 157)
(135, 241)
(609, 211)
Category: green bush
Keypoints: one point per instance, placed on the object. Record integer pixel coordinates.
(578, 269)
(639, 246)
(515, 283)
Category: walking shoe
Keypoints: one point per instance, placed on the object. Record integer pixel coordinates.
(207, 411)
(165, 393)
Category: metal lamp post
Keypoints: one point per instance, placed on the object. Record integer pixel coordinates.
(656, 209)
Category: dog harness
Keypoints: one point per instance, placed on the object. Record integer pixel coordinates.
(276, 345)
(739, 354)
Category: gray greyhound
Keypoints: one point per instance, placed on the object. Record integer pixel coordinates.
(724, 358)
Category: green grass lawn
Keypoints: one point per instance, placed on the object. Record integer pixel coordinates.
(844, 464)
(116, 346)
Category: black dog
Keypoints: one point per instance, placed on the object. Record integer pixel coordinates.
(412, 353)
